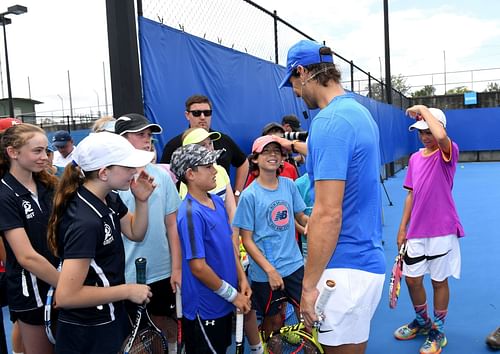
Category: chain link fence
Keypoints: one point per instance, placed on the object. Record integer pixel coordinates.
(248, 27)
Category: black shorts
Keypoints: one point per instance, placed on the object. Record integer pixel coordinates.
(163, 300)
(103, 339)
(217, 331)
(32, 317)
(266, 302)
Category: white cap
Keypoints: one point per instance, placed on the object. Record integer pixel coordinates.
(105, 149)
(422, 124)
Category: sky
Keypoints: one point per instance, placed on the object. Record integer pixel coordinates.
(57, 37)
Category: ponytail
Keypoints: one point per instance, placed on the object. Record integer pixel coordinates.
(69, 183)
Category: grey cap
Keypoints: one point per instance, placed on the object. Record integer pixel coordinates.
(192, 155)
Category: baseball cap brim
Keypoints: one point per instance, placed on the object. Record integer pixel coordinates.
(420, 125)
(286, 80)
(198, 135)
(155, 129)
(137, 158)
(59, 144)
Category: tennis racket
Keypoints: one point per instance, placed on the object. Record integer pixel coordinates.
(239, 332)
(47, 311)
(145, 337)
(397, 273)
(295, 338)
(178, 311)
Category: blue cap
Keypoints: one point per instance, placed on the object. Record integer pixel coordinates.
(303, 53)
(60, 138)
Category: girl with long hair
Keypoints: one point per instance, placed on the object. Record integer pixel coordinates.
(85, 231)
(26, 191)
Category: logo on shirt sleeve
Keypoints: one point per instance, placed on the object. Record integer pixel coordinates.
(108, 235)
(279, 215)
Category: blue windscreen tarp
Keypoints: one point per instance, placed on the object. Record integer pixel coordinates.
(243, 90)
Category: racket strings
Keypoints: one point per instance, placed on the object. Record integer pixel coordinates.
(148, 342)
(291, 343)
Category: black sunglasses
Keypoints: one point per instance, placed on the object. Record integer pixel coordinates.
(197, 113)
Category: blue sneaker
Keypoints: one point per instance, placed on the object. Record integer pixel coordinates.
(412, 329)
(434, 343)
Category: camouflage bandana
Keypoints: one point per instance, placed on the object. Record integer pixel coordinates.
(190, 156)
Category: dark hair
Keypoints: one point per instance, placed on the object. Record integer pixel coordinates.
(183, 177)
(253, 167)
(71, 179)
(324, 72)
(197, 99)
(17, 136)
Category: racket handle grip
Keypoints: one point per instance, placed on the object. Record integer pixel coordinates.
(178, 302)
(140, 270)
(324, 295)
(239, 327)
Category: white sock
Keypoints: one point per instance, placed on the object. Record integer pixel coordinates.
(256, 349)
(172, 348)
(13, 352)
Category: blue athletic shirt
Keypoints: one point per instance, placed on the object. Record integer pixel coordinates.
(155, 247)
(205, 233)
(269, 214)
(343, 144)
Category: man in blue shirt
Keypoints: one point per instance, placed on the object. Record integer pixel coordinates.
(344, 231)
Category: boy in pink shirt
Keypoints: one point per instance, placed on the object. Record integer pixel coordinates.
(430, 227)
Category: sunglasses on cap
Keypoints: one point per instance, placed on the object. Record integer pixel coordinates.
(197, 113)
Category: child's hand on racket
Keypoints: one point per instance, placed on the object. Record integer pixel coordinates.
(242, 303)
(245, 287)
(139, 293)
(401, 238)
(142, 186)
(275, 280)
(307, 311)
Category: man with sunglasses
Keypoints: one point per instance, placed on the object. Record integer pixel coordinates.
(199, 115)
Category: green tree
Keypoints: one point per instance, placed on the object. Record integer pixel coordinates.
(492, 87)
(427, 90)
(457, 90)
(398, 83)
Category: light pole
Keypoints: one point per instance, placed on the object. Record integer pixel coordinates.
(62, 105)
(12, 10)
(98, 104)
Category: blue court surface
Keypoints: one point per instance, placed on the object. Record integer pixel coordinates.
(474, 309)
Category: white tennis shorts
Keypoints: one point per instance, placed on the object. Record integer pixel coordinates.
(438, 256)
(350, 307)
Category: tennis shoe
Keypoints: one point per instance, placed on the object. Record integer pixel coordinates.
(434, 343)
(493, 340)
(412, 329)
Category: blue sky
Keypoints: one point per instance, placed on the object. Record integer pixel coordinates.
(60, 35)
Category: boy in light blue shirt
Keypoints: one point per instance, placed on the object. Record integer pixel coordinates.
(265, 216)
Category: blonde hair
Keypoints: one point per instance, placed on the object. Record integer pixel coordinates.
(99, 125)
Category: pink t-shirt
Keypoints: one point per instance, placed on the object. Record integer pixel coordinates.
(431, 179)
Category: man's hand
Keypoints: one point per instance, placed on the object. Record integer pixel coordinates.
(307, 310)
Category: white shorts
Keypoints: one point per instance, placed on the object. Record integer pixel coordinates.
(438, 256)
(350, 307)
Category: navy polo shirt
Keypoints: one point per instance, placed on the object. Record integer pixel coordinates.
(21, 209)
(91, 229)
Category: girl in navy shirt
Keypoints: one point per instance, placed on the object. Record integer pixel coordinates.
(26, 192)
(85, 231)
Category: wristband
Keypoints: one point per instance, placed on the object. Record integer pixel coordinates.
(227, 292)
(293, 146)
